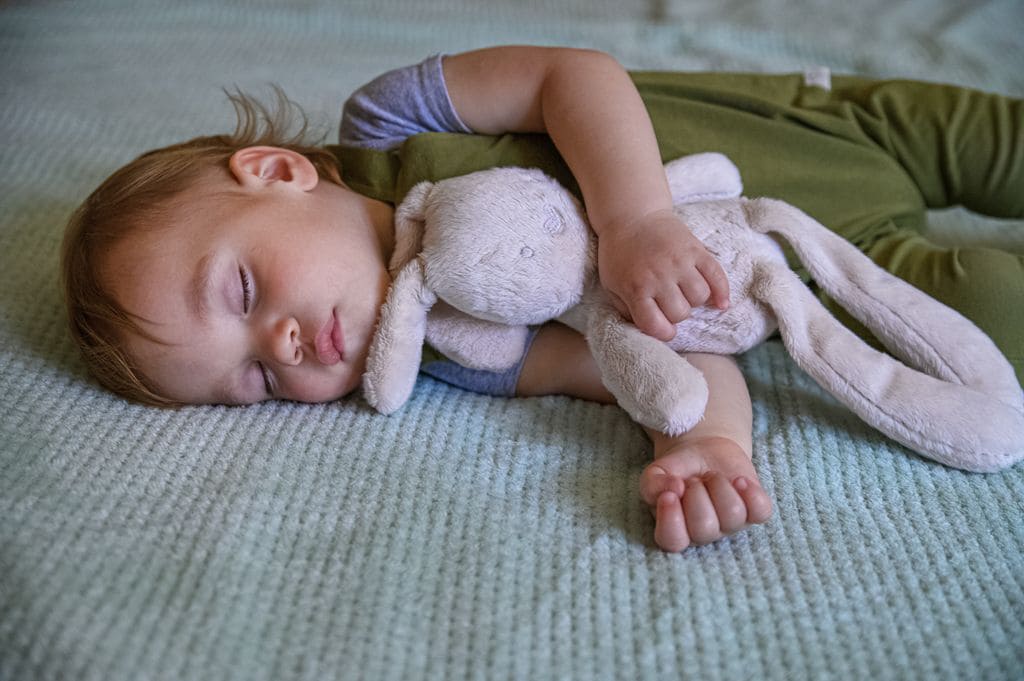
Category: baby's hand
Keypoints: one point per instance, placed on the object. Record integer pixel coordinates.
(657, 271)
(700, 492)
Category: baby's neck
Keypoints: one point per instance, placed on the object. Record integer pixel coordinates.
(382, 215)
(378, 215)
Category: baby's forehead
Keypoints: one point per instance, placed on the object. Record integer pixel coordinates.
(182, 219)
(134, 258)
(148, 274)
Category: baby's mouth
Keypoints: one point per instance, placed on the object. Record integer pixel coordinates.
(330, 341)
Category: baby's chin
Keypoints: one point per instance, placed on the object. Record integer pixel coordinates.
(319, 394)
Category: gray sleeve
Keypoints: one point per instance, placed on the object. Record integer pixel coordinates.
(500, 383)
(399, 104)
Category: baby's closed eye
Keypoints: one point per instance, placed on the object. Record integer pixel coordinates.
(243, 276)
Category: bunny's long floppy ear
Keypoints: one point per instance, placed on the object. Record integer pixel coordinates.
(394, 356)
(393, 360)
(958, 402)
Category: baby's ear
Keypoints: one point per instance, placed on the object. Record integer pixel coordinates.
(257, 167)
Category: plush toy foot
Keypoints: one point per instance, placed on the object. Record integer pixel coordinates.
(700, 492)
(657, 387)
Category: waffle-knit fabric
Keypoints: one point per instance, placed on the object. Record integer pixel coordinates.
(467, 537)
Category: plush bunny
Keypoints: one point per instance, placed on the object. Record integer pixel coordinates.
(481, 256)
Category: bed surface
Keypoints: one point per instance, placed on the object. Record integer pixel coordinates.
(467, 536)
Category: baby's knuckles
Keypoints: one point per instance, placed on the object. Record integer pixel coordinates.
(701, 518)
(655, 480)
(710, 507)
(732, 510)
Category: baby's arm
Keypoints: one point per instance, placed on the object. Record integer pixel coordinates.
(655, 268)
(702, 484)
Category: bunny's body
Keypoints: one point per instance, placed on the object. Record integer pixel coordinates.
(479, 257)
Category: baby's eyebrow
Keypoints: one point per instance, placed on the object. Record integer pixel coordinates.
(202, 281)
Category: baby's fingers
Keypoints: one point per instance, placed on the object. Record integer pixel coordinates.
(701, 518)
(695, 290)
(670, 526)
(759, 506)
(650, 319)
(715, 277)
(729, 505)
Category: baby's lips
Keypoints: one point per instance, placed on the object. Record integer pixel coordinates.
(338, 338)
(328, 341)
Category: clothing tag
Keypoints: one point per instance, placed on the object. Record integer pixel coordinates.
(818, 76)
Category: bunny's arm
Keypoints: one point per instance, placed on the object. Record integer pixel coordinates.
(472, 342)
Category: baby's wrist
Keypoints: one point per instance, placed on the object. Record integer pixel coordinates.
(631, 223)
(665, 444)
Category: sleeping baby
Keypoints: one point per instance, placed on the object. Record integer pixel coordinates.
(252, 266)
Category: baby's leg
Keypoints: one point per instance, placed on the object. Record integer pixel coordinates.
(959, 146)
(985, 285)
(702, 485)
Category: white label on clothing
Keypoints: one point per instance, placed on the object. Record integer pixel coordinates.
(818, 76)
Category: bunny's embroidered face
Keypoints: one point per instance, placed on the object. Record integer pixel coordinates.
(528, 265)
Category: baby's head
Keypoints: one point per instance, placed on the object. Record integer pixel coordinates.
(227, 269)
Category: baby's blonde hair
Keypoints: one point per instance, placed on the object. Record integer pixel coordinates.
(142, 195)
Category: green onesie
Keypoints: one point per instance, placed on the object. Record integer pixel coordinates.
(866, 158)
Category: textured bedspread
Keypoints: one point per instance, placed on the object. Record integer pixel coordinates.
(467, 536)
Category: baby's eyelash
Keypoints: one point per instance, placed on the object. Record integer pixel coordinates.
(246, 289)
(266, 379)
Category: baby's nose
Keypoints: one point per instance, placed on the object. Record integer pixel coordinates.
(285, 345)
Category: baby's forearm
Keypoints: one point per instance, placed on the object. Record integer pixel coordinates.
(559, 362)
(586, 102)
(596, 118)
(728, 414)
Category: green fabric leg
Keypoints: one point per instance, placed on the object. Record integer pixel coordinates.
(984, 284)
(960, 147)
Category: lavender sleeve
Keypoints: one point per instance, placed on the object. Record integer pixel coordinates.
(399, 104)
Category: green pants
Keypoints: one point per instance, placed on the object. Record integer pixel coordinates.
(866, 158)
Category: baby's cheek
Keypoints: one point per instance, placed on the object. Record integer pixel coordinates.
(321, 387)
